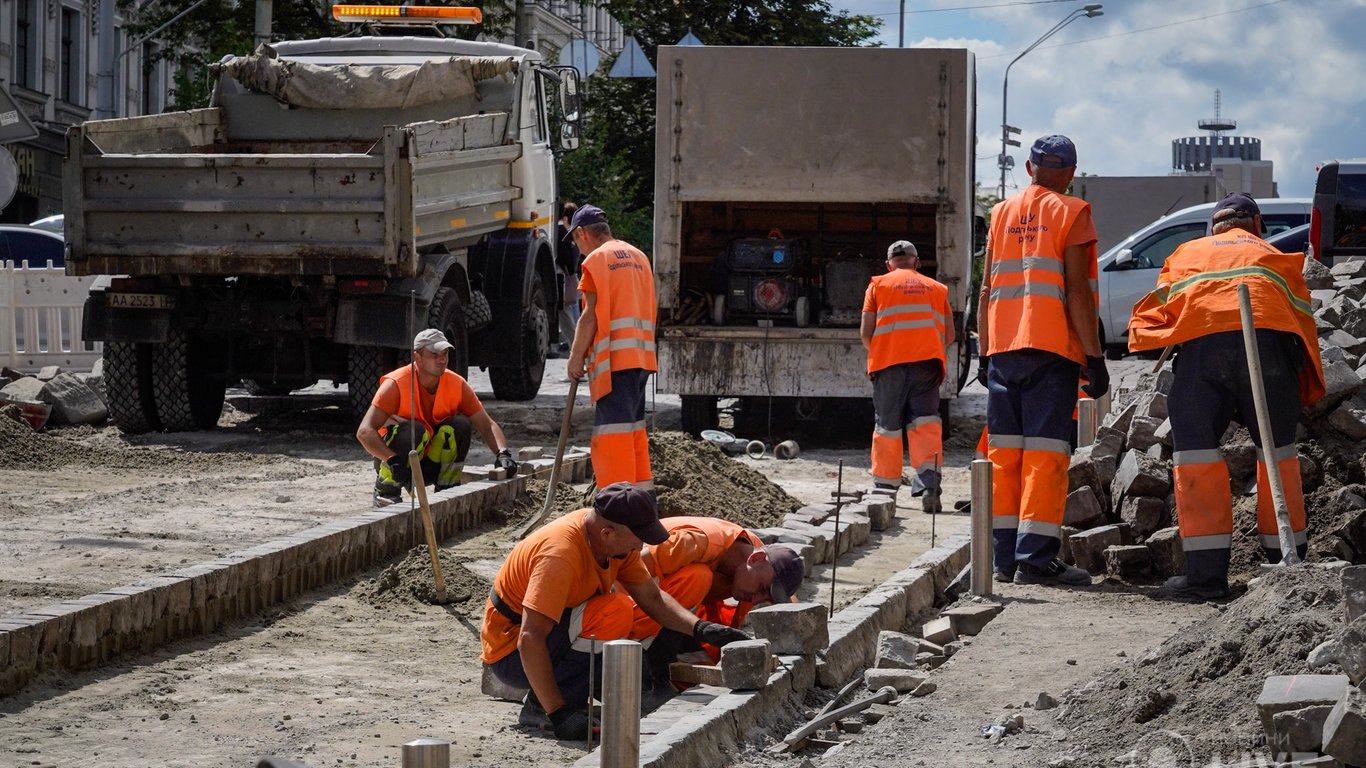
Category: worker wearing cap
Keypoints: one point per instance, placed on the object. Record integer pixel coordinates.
(1196, 306)
(1037, 328)
(614, 346)
(553, 601)
(717, 569)
(906, 327)
(425, 407)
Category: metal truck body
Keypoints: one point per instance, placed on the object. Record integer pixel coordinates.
(316, 215)
(781, 177)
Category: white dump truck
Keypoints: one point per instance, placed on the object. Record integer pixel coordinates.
(781, 177)
(337, 195)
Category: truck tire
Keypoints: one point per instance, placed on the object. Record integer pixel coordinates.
(446, 315)
(478, 313)
(364, 366)
(187, 391)
(522, 382)
(128, 387)
(699, 413)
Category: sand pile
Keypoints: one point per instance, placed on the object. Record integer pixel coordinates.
(22, 448)
(410, 582)
(694, 477)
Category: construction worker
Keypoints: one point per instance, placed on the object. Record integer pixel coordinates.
(553, 600)
(1195, 305)
(906, 327)
(424, 395)
(705, 561)
(1037, 328)
(614, 346)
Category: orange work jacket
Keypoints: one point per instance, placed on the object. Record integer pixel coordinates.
(445, 403)
(621, 277)
(1197, 294)
(912, 311)
(1027, 304)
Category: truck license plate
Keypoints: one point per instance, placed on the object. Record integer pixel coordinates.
(141, 301)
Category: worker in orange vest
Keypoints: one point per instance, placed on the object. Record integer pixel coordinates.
(424, 395)
(1037, 328)
(1195, 305)
(718, 570)
(614, 346)
(906, 326)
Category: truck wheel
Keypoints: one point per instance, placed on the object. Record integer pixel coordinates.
(523, 381)
(446, 315)
(187, 390)
(128, 386)
(478, 313)
(699, 413)
(364, 366)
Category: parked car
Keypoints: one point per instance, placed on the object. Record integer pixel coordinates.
(1338, 227)
(29, 246)
(1294, 240)
(1129, 270)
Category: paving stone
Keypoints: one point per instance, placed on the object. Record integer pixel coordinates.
(902, 680)
(1088, 547)
(1351, 652)
(528, 452)
(1332, 354)
(969, 620)
(774, 535)
(1354, 591)
(1344, 732)
(1350, 268)
(896, 650)
(1321, 296)
(1340, 381)
(1144, 514)
(1083, 508)
(1297, 731)
(1119, 420)
(1106, 452)
(1354, 323)
(881, 512)
(1141, 433)
(26, 388)
(1128, 563)
(1324, 654)
(745, 665)
(73, 401)
(1282, 693)
(1081, 469)
(792, 628)
(925, 688)
(1140, 475)
(1153, 405)
(1065, 551)
(1316, 275)
(938, 631)
(1164, 550)
(1322, 325)
(1349, 420)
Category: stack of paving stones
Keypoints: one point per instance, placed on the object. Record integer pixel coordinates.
(1320, 719)
(819, 535)
(73, 398)
(1120, 517)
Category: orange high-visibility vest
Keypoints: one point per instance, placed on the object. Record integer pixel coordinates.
(445, 403)
(1197, 294)
(625, 287)
(912, 311)
(1027, 304)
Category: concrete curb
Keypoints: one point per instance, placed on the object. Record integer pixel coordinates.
(88, 631)
(705, 725)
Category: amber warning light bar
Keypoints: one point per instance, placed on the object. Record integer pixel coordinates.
(406, 14)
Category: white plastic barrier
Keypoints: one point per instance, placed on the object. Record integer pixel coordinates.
(40, 319)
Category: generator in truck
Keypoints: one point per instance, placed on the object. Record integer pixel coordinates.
(336, 196)
(776, 196)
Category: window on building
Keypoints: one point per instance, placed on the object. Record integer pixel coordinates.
(25, 40)
(71, 75)
(152, 91)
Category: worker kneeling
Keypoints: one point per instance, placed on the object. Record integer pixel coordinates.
(906, 327)
(704, 561)
(1195, 305)
(553, 604)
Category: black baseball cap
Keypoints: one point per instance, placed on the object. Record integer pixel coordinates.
(584, 216)
(625, 504)
(1240, 202)
(787, 572)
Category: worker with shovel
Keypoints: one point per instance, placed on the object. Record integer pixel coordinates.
(425, 407)
(717, 569)
(553, 603)
(906, 326)
(1196, 305)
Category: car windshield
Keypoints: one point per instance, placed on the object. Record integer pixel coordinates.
(1349, 218)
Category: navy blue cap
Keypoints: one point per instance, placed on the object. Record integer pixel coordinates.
(1240, 202)
(584, 216)
(1053, 151)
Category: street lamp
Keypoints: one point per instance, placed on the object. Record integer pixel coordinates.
(1005, 162)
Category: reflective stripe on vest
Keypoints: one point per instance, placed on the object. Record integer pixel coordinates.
(911, 314)
(625, 314)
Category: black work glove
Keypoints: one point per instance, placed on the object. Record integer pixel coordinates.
(399, 469)
(504, 460)
(570, 723)
(982, 369)
(1097, 377)
(719, 635)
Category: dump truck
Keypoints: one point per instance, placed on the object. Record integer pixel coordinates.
(335, 197)
(777, 194)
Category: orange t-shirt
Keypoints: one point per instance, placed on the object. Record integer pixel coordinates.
(702, 540)
(551, 570)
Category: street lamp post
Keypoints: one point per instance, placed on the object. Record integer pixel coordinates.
(1005, 162)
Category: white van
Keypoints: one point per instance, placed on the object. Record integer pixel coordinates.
(1129, 270)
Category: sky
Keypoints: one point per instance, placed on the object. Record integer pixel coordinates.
(1124, 84)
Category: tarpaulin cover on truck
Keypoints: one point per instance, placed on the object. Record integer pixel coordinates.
(363, 86)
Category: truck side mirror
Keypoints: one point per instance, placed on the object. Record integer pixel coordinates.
(569, 94)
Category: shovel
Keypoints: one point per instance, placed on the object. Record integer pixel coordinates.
(555, 470)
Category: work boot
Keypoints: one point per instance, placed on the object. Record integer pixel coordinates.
(884, 488)
(385, 496)
(1206, 577)
(1181, 588)
(1056, 573)
(930, 501)
(1004, 575)
(533, 714)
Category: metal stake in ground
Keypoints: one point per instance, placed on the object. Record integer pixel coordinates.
(555, 470)
(835, 561)
(936, 514)
(592, 658)
(420, 491)
(1289, 556)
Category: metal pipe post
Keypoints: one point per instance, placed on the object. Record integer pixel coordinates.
(1086, 422)
(981, 527)
(427, 753)
(620, 704)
